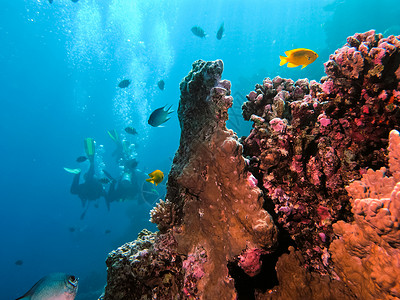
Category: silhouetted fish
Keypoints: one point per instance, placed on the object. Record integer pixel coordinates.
(124, 83)
(161, 84)
(19, 262)
(159, 116)
(198, 31)
(130, 130)
(50, 1)
(107, 231)
(81, 159)
(54, 286)
(220, 31)
(71, 229)
(75, 1)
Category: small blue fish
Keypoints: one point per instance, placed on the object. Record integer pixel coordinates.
(54, 286)
(130, 130)
(198, 31)
(81, 159)
(160, 116)
(124, 83)
(161, 84)
(220, 31)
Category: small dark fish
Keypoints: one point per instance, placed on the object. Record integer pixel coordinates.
(161, 84)
(71, 229)
(75, 1)
(104, 180)
(50, 1)
(81, 159)
(220, 31)
(19, 262)
(107, 231)
(159, 116)
(198, 31)
(54, 286)
(130, 130)
(124, 83)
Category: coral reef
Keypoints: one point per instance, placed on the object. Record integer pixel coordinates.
(297, 199)
(312, 139)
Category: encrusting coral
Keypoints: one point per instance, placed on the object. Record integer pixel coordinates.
(303, 179)
(367, 254)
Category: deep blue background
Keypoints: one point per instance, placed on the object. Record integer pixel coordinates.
(60, 65)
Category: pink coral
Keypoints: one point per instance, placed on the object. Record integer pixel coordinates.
(277, 124)
(349, 61)
(250, 262)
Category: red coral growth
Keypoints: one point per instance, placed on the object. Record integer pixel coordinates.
(250, 261)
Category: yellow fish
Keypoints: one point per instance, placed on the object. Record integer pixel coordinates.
(297, 57)
(156, 177)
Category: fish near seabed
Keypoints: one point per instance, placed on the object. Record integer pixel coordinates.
(297, 57)
(160, 116)
(220, 31)
(58, 286)
(156, 177)
(198, 31)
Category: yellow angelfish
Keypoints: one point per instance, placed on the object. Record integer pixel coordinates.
(297, 57)
(156, 177)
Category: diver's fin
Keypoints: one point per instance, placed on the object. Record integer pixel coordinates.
(107, 203)
(73, 171)
(283, 60)
(125, 147)
(290, 65)
(113, 135)
(89, 147)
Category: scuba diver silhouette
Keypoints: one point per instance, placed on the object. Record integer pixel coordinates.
(91, 189)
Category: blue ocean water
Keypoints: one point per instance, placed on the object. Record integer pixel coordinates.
(60, 68)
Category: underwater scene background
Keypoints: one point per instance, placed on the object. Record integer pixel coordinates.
(61, 64)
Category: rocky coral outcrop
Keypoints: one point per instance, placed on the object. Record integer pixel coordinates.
(221, 207)
(148, 268)
(367, 253)
(213, 210)
(312, 139)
